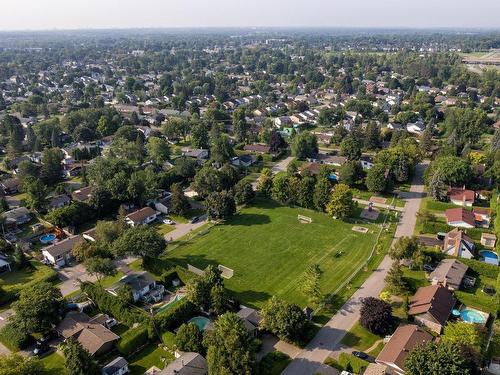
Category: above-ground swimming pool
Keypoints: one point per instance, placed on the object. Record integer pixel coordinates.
(473, 316)
(48, 238)
(489, 257)
(200, 321)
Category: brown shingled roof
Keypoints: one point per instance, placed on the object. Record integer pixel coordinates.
(402, 342)
(435, 300)
(141, 215)
(460, 214)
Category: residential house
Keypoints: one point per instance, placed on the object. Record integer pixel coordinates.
(94, 337)
(258, 148)
(449, 273)
(82, 195)
(199, 154)
(10, 185)
(457, 244)
(402, 342)
(461, 196)
(140, 283)
(187, 363)
(282, 121)
(118, 366)
(59, 201)
(366, 162)
(143, 216)
(431, 306)
(334, 160)
(482, 216)
(459, 217)
(251, 319)
(73, 170)
(17, 216)
(488, 240)
(415, 127)
(243, 160)
(376, 369)
(59, 254)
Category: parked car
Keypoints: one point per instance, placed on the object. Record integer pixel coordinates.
(429, 267)
(194, 220)
(361, 355)
(110, 323)
(168, 221)
(41, 347)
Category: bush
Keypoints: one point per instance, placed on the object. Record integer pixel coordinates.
(14, 338)
(112, 305)
(435, 227)
(171, 318)
(132, 340)
(481, 268)
(376, 316)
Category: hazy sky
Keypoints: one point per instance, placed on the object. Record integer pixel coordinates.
(77, 14)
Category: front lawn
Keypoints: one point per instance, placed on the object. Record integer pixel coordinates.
(360, 338)
(273, 363)
(348, 362)
(54, 364)
(269, 250)
(150, 355)
(12, 282)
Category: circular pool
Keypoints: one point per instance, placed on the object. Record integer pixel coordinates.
(201, 322)
(47, 238)
(472, 316)
(489, 257)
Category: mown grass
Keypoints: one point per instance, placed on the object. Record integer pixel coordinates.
(359, 338)
(269, 250)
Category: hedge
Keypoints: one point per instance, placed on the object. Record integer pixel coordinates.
(112, 305)
(482, 268)
(14, 338)
(435, 227)
(132, 340)
(171, 318)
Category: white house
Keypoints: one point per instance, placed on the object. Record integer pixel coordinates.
(140, 283)
(145, 215)
(59, 254)
(415, 127)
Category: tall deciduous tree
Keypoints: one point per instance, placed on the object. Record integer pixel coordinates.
(77, 360)
(229, 347)
(304, 145)
(189, 338)
(340, 204)
(38, 307)
(179, 203)
(220, 205)
(285, 320)
(436, 359)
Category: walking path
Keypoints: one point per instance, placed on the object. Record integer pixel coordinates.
(328, 338)
(379, 205)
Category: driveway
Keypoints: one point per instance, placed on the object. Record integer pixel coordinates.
(182, 229)
(282, 165)
(70, 276)
(327, 340)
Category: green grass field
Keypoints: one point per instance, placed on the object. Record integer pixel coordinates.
(269, 250)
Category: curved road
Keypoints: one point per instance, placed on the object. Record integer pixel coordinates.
(328, 338)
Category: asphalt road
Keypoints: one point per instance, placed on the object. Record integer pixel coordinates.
(328, 338)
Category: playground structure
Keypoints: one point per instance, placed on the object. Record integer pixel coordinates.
(304, 219)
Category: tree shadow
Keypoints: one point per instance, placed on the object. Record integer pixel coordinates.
(249, 219)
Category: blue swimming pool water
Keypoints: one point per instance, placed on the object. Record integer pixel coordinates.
(472, 316)
(489, 257)
(200, 321)
(47, 238)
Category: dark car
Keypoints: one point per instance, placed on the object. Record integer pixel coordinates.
(41, 347)
(194, 220)
(360, 355)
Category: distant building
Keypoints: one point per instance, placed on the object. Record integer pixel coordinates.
(143, 216)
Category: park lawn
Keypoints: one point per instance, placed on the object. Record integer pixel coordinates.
(360, 338)
(54, 364)
(150, 355)
(269, 250)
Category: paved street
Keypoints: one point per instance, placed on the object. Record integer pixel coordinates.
(327, 340)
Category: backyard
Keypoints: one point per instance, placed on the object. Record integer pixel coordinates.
(269, 250)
